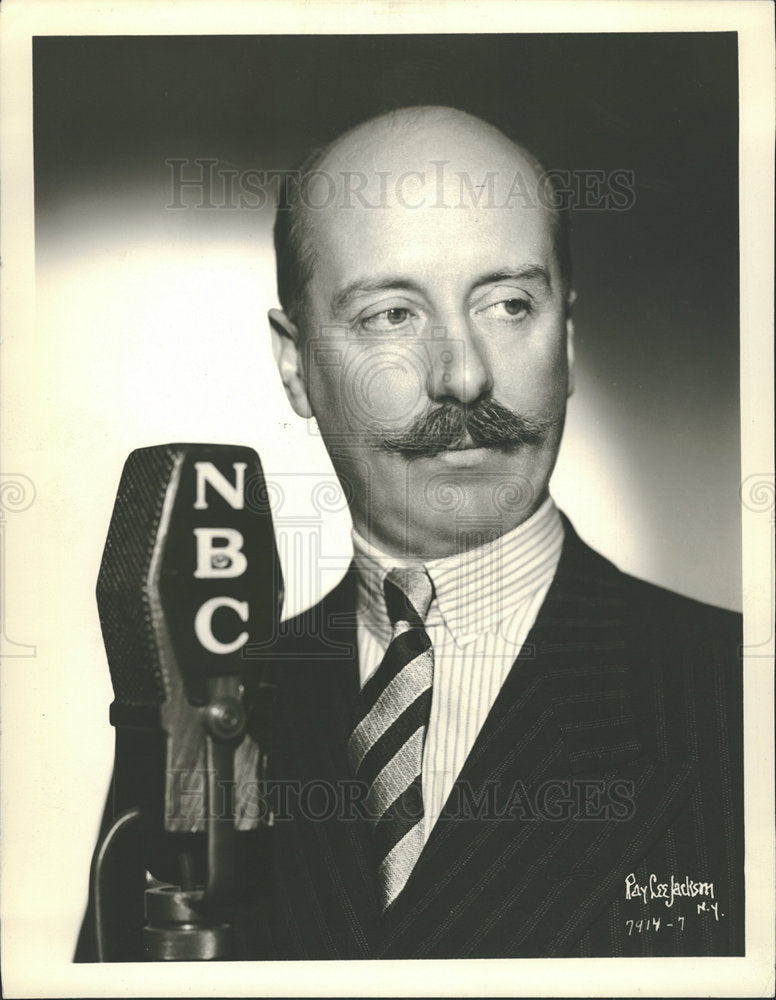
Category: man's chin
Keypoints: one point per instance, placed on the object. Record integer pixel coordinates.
(456, 500)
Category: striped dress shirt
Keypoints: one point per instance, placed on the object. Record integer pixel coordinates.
(485, 601)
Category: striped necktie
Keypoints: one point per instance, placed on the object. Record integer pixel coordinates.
(385, 749)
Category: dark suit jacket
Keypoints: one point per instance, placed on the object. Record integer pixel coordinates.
(612, 755)
(614, 749)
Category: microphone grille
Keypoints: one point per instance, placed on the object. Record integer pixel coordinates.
(122, 583)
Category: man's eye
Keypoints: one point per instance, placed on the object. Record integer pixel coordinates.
(508, 309)
(387, 319)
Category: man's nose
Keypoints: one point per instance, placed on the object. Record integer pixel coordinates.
(460, 368)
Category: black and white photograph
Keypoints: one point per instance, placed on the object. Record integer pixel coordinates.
(388, 499)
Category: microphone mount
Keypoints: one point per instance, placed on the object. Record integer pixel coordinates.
(187, 924)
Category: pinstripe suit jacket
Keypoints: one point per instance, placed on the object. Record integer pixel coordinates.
(611, 760)
(606, 784)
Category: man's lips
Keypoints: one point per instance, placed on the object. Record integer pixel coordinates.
(467, 455)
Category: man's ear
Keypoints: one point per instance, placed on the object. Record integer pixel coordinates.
(571, 298)
(288, 358)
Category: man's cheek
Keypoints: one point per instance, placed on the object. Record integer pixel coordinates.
(382, 387)
(534, 384)
(326, 401)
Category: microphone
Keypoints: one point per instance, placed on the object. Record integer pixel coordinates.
(190, 574)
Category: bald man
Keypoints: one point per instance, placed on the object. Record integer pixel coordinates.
(488, 741)
(493, 743)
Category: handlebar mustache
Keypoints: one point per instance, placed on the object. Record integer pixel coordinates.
(485, 424)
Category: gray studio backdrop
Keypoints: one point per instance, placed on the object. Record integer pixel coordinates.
(644, 127)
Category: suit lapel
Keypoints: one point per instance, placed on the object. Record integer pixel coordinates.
(323, 862)
(522, 858)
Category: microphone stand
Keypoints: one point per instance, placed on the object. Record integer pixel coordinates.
(186, 924)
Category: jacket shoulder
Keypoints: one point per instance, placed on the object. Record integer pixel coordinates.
(672, 606)
(603, 580)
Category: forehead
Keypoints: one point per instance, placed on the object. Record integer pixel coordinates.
(433, 210)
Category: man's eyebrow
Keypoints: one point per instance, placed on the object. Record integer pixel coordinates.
(531, 272)
(342, 299)
(362, 286)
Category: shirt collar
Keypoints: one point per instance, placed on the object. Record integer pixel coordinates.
(474, 591)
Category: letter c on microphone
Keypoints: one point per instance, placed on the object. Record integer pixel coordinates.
(203, 625)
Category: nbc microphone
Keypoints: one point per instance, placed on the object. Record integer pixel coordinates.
(189, 576)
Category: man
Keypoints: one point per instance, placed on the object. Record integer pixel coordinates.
(487, 741)
(492, 742)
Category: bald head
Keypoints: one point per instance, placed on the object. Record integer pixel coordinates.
(424, 158)
(426, 324)
(398, 140)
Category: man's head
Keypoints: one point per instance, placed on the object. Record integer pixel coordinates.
(424, 279)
